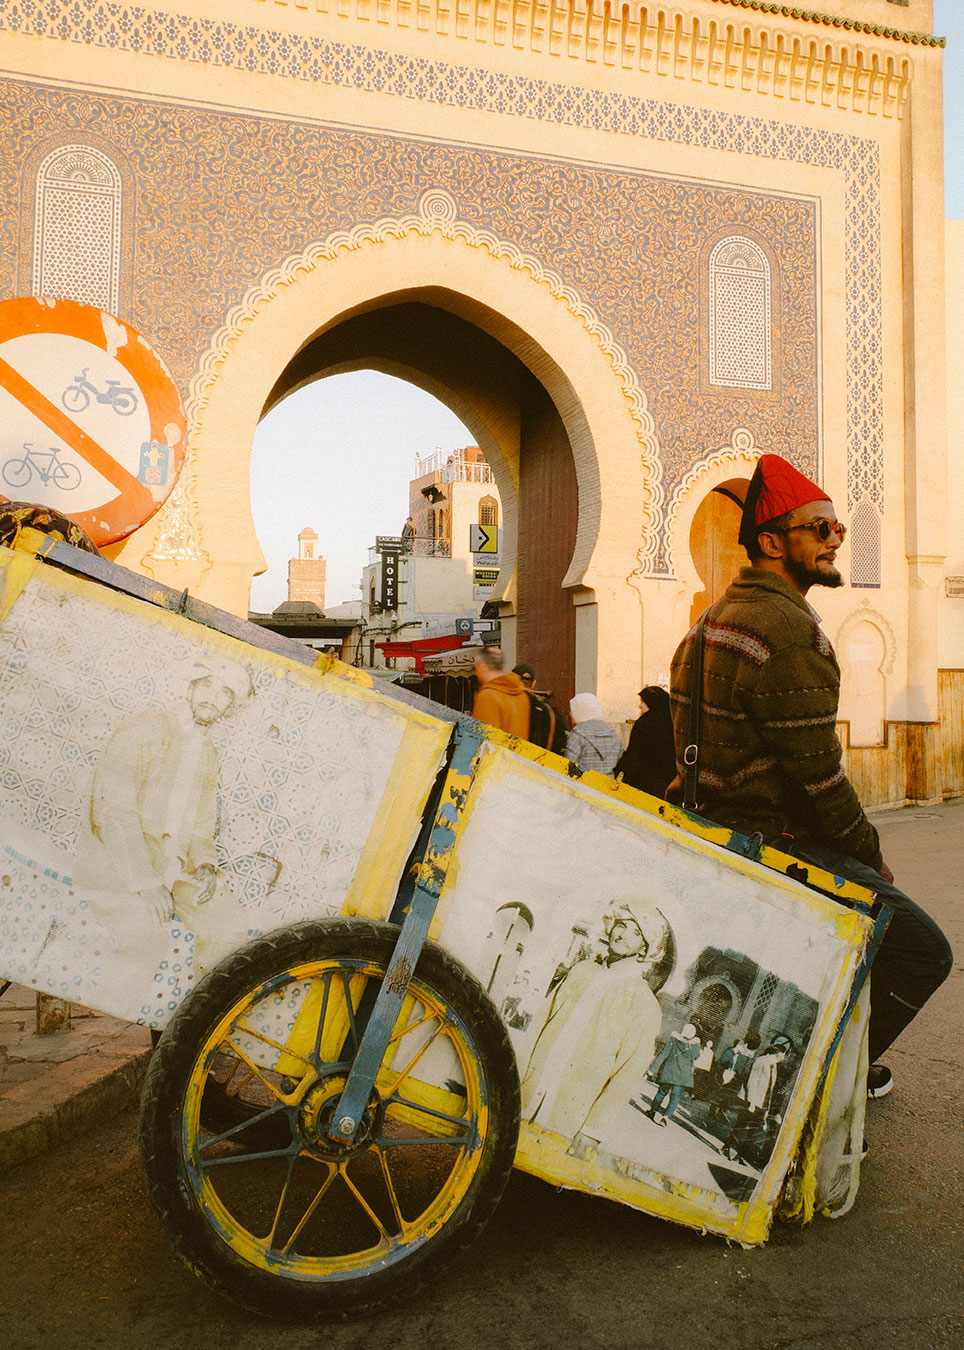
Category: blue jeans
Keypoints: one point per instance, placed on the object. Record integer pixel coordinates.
(674, 1091)
(913, 960)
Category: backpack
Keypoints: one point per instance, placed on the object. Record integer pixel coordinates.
(545, 725)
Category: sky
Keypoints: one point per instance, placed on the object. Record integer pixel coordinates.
(338, 455)
(949, 24)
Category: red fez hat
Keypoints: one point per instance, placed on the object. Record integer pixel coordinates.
(775, 488)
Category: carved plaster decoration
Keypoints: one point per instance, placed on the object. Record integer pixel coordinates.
(663, 40)
(724, 462)
(837, 21)
(438, 213)
(740, 325)
(864, 613)
(865, 537)
(176, 539)
(667, 42)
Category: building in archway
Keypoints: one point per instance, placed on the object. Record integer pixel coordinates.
(630, 246)
(438, 583)
(308, 572)
(302, 618)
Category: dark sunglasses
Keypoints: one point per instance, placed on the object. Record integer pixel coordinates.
(822, 528)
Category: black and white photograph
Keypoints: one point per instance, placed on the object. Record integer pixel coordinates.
(664, 1006)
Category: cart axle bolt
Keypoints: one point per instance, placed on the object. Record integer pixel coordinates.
(346, 1126)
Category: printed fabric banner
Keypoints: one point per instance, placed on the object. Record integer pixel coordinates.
(671, 1003)
(167, 792)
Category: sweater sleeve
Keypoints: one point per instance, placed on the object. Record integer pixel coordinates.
(793, 703)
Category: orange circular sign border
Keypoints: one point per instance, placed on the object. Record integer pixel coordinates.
(133, 506)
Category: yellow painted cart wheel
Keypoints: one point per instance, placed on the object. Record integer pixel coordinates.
(238, 1139)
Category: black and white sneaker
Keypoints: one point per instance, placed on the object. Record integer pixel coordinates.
(880, 1081)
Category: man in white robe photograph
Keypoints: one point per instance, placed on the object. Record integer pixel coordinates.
(153, 821)
(599, 1030)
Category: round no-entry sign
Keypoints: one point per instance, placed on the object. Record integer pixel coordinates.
(91, 421)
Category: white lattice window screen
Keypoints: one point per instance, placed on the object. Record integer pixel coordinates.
(865, 545)
(488, 511)
(76, 253)
(739, 318)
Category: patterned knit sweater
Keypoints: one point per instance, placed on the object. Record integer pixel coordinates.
(769, 754)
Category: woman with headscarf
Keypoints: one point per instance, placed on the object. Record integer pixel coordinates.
(649, 760)
(592, 743)
(673, 1072)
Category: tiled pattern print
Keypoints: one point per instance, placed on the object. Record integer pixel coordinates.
(301, 770)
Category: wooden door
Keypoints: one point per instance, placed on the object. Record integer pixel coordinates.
(714, 545)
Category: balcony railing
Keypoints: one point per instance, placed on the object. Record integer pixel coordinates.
(424, 546)
(452, 468)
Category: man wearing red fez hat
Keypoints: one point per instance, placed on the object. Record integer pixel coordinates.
(769, 760)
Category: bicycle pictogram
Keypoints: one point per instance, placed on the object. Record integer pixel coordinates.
(46, 464)
(76, 397)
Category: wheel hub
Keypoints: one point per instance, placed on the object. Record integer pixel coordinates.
(319, 1118)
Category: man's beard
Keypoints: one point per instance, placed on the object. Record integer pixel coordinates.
(812, 576)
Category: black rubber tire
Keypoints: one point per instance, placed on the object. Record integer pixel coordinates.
(192, 1209)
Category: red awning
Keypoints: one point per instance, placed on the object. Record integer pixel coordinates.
(419, 648)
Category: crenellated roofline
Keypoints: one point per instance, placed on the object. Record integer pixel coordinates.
(751, 46)
(791, 60)
(565, 25)
(836, 21)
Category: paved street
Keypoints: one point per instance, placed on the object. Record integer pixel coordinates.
(83, 1263)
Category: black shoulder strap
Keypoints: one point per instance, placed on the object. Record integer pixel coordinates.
(691, 754)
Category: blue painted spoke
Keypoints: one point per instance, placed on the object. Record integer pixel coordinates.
(233, 1159)
(322, 1018)
(313, 1205)
(270, 1239)
(242, 1126)
(429, 1111)
(389, 1184)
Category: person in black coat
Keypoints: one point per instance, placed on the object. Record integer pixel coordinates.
(649, 760)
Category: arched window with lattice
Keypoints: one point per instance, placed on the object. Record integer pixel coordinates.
(865, 545)
(77, 227)
(740, 322)
(488, 511)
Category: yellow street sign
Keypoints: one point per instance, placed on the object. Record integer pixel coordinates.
(484, 538)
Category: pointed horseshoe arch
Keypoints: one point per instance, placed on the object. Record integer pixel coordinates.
(492, 289)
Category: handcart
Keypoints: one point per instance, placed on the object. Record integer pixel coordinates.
(392, 952)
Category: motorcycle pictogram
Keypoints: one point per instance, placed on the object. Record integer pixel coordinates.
(77, 396)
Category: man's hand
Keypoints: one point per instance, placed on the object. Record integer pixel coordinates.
(159, 903)
(885, 872)
(206, 877)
